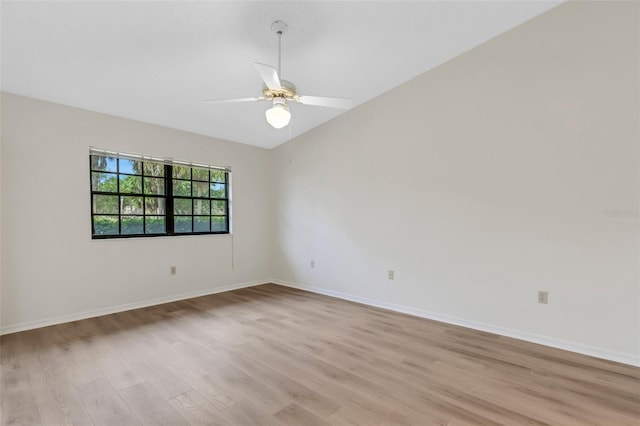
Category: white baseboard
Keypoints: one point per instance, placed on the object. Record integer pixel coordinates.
(121, 308)
(625, 358)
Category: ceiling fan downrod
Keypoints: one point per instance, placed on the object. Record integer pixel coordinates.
(279, 27)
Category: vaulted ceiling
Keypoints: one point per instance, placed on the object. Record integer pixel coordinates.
(157, 61)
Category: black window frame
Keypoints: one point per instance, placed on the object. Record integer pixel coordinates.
(169, 197)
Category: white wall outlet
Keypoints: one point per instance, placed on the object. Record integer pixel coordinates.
(543, 297)
(172, 270)
(391, 274)
(313, 264)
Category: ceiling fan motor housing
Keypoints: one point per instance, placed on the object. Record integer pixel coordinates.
(287, 90)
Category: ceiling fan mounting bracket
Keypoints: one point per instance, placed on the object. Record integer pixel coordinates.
(279, 27)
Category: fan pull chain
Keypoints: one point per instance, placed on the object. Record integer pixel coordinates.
(233, 263)
(290, 144)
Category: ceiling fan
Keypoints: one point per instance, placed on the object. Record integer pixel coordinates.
(281, 91)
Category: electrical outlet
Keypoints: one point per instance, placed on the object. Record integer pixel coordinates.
(313, 264)
(391, 275)
(172, 270)
(543, 297)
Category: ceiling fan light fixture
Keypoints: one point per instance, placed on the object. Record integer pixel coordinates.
(278, 116)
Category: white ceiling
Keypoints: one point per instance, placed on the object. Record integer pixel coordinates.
(157, 61)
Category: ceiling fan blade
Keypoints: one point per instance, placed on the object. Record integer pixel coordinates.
(233, 101)
(342, 103)
(269, 75)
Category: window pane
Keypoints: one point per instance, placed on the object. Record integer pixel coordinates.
(154, 186)
(103, 164)
(201, 189)
(105, 204)
(218, 190)
(129, 197)
(201, 207)
(132, 225)
(218, 176)
(218, 223)
(154, 205)
(131, 205)
(105, 225)
(182, 172)
(182, 206)
(154, 225)
(131, 167)
(219, 207)
(200, 174)
(182, 224)
(153, 169)
(105, 182)
(131, 184)
(182, 188)
(201, 223)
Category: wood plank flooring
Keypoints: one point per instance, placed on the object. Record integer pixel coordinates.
(271, 355)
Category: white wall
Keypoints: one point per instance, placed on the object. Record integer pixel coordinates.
(481, 182)
(52, 270)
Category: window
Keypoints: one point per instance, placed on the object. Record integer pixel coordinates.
(137, 196)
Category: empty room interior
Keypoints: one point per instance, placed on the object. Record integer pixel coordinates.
(320, 213)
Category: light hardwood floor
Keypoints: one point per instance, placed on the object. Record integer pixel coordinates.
(271, 355)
